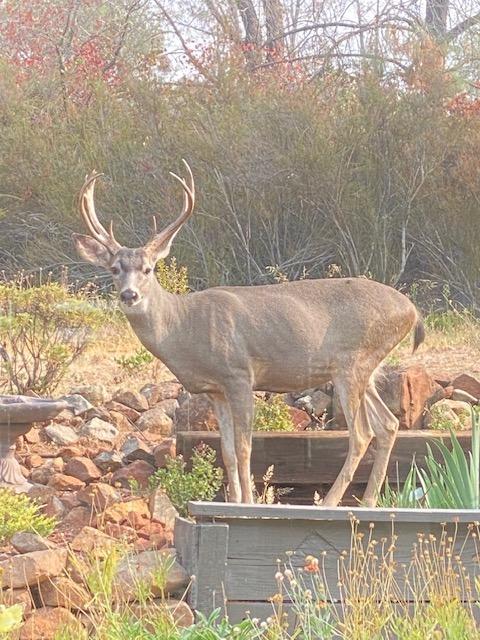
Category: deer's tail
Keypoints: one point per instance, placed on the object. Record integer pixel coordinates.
(419, 334)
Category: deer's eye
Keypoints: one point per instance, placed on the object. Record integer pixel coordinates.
(147, 271)
(115, 271)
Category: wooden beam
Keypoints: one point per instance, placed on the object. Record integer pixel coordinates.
(229, 511)
(315, 458)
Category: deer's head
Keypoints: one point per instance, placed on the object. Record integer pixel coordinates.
(133, 270)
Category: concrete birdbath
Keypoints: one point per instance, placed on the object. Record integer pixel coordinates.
(17, 413)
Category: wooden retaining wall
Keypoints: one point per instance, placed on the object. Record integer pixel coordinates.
(233, 549)
(308, 460)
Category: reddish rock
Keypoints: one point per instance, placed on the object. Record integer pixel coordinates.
(45, 623)
(32, 568)
(136, 448)
(120, 532)
(139, 472)
(169, 406)
(33, 461)
(70, 500)
(63, 482)
(143, 567)
(166, 448)
(407, 392)
(41, 493)
(155, 420)
(90, 539)
(54, 507)
(76, 519)
(196, 413)
(168, 390)
(162, 509)
(129, 512)
(130, 398)
(63, 592)
(83, 469)
(129, 413)
(99, 496)
(121, 422)
(109, 461)
(33, 436)
(73, 451)
(152, 529)
(468, 383)
(26, 542)
(300, 418)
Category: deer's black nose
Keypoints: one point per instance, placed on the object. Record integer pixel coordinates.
(129, 295)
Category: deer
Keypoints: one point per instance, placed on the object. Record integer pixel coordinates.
(231, 341)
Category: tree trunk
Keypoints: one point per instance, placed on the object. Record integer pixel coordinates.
(274, 22)
(436, 14)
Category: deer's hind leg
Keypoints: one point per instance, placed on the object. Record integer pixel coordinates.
(229, 455)
(352, 398)
(385, 428)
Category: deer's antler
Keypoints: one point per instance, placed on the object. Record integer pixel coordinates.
(87, 209)
(165, 237)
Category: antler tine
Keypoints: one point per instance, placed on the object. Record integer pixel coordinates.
(165, 237)
(87, 209)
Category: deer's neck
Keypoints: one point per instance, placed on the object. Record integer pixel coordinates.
(157, 321)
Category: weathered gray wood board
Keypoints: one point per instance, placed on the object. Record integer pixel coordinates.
(315, 458)
(234, 550)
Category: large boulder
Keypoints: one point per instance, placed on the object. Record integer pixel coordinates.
(32, 568)
(131, 398)
(45, 623)
(407, 393)
(142, 568)
(468, 383)
(156, 421)
(61, 434)
(82, 468)
(100, 429)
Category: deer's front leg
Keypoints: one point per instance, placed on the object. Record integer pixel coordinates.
(241, 404)
(227, 432)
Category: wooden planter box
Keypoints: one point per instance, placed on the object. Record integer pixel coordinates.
(306, 461)
(232, 550)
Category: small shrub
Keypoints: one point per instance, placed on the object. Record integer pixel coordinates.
(43, 330)
(440, 419)
(172, 277)
(201, 483)
(137, 361)
(10, 619)
(272, 415)
(19, 513)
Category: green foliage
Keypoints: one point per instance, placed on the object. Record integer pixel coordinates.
(10, 619)
(262, 201)
(272, 415)
(172, 277)
(406, 496)
(18, 513)
(201, 483)
(450, 479)
(137, 361)
(43, 329)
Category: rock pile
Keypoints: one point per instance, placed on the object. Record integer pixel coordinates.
(89, 468)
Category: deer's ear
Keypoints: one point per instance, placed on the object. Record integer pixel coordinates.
(92, 251)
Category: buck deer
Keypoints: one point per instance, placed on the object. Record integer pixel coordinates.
(228, 342)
